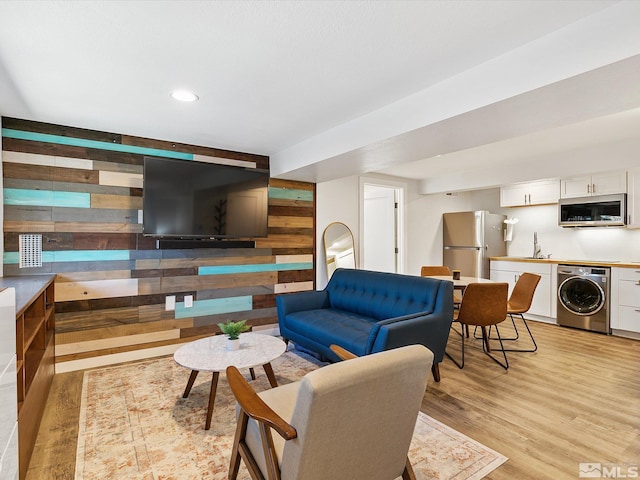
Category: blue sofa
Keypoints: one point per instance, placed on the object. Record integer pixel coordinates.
(367, 312)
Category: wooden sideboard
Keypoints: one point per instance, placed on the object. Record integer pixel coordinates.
(35, 345)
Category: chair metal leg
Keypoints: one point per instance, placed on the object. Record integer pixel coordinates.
(515, 329)
(535, 345)
(487, 349)
(461, 333)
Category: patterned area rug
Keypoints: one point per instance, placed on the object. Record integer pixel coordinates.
(135, 425)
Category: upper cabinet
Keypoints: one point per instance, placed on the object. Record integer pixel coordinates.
(531, 193)
(633, 198)
(599, 184)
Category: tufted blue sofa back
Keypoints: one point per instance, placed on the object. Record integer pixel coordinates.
(381, 295)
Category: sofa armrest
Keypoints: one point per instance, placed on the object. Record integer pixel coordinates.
(301, 301)
(430, 330)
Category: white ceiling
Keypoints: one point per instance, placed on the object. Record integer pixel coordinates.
(335, 88)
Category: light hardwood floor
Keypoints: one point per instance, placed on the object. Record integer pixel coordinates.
(577, 399)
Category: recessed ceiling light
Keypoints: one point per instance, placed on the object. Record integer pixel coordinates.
(184, 96)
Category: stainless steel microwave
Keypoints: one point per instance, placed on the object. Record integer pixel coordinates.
(595, 211)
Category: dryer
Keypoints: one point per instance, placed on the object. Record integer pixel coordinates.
(583, 297)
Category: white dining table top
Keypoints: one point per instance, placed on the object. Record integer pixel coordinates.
(462, 282)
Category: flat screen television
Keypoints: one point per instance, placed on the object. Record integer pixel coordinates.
(194, 200)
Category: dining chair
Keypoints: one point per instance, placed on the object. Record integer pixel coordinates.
(428, 270)
(437, 270)
(483, 305)
(352, 419)
(519, 303)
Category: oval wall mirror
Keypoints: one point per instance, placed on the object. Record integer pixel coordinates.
(339, 248)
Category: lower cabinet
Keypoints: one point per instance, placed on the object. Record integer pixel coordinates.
(625, 308)
(34, 345)
(8, 387)
(504, 271)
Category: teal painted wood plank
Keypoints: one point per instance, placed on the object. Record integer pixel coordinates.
(90, 255)
(252, 268)
(72, 256)
(46, 198)
(214, 306)
(80, 142)
(290, 194)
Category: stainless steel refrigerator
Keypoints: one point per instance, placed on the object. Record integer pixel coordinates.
(470, 239)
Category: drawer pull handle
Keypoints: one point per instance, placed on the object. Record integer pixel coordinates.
(636, 310)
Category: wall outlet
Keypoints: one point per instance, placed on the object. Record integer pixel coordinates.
(188, 301)
(170, 303)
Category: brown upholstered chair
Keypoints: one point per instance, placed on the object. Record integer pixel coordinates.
(428, 270)
(519, 303)
(483, 305)
(329, 424)
(431, 270)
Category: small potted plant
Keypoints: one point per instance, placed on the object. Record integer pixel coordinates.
(233, 330)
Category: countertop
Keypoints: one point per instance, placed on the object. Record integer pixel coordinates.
(564, 261)
(27, 287)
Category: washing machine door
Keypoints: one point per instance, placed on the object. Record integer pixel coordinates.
(581, 295)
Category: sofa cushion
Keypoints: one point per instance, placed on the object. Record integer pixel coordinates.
(329, 326)
(381, 295)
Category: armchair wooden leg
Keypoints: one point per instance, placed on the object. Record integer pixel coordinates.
(408, 474)
(241, 431)
(435, 370)
(273, 470)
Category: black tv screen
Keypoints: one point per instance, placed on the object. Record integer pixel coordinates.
(189, 199)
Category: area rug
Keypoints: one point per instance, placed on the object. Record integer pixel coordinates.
(135, 425)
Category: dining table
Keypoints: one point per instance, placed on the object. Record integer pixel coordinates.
(462, 282)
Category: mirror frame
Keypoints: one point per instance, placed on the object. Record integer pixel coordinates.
(332, 265)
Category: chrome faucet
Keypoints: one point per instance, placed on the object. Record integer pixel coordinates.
(537, 251)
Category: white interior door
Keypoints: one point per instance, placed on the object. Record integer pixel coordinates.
(380, 229)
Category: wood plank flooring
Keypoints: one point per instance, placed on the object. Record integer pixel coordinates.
(575, 400)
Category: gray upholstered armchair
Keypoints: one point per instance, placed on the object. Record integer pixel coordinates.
(348, 420)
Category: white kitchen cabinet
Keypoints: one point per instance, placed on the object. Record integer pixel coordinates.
(530, 193)
(625, 312)
(505, 271)
(599, 184)
(633, 198)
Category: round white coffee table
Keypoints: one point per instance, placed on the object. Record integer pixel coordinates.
(210, 355)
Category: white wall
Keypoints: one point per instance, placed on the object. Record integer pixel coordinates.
(424, 226)
(336, 201)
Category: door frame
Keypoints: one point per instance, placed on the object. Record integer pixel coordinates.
(400, 194)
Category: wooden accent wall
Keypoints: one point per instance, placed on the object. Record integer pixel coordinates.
(82, 190)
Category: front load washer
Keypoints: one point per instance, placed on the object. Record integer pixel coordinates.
(583, 297)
